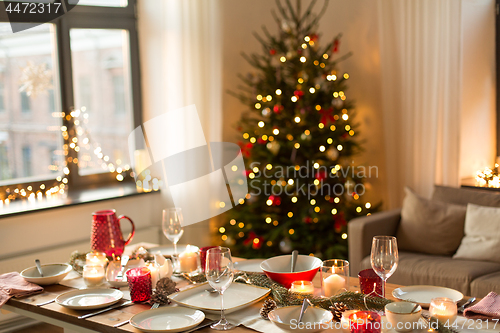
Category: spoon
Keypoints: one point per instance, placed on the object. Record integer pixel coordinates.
(414, 308)
(295, 253)
(305, 304)
(39, 267)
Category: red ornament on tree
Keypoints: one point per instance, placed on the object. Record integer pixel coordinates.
(245, 148)
(326, 116)
(307, 219)
(272, 51)
(298, 93)
(339, 221)
(335, 47)
(320, 175)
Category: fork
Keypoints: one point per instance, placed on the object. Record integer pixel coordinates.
(154, 306)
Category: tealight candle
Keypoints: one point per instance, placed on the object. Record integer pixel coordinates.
(303, 287)
(444, 309)
(188, 260)
(365, 322)
(96, 258)
(93, 275)
(344, 321)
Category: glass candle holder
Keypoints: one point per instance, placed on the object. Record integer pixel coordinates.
(189, 261)
(96, 258)
(370, 283)
(203, 256)
(365, 322)
(334, 275)
(139, 283)
(444, 309)
(154, 268)
(93, 275)
(345, 322)
(302, 287)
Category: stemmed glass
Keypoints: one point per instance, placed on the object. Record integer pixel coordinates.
(172, 225)
(219, 273)
(384, 257)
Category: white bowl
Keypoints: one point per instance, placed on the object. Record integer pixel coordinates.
(52, 274)
(400, 316)
(315, 319)
(278, 269)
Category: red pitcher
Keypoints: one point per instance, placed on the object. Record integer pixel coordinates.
(106, 234)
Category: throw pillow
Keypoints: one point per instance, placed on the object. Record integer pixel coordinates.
(482, 234)
(430, 227)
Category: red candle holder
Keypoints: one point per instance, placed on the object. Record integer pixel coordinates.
(365, 322)
(370, 283)
(139, 283)
(203, 256)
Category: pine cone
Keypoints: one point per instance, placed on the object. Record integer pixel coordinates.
(337, 309)
(160, 297)
(166, 285)
(268, 306)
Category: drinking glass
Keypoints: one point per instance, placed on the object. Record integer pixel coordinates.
(219, 272)
(384, 257)
(172, 225)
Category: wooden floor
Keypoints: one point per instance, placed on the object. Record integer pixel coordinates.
(40, 328)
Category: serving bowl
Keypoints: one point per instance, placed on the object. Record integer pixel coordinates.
(400, 316)
(278, 269)
(52, 274)
(315, 319)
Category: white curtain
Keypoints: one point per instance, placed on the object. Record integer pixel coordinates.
(421, 50)
(180, 55)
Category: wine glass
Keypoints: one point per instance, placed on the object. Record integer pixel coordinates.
(384, 257)
(172, 225)
(219, 273)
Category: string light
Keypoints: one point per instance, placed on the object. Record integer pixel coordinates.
(261, 124)
(278, 92)
(297, 119)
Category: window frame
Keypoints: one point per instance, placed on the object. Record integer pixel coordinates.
(88, 17)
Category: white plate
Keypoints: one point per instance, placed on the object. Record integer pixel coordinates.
(167, 319)
(251, 265)
(88, 299)
(424, 294)
(167, 251)
(236, 297)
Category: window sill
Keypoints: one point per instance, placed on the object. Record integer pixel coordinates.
(75, 197)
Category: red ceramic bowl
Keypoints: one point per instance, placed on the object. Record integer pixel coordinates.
(278, 269)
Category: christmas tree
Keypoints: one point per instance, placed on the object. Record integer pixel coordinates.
(299, 138)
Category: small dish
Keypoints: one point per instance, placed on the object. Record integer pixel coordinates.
(168, 319)
(236, 297)
(89, 299)
(114, 268)
(423, 295)
(52, 274)
(401, 318)
(250, 265)
(315, 319)
(278, 269)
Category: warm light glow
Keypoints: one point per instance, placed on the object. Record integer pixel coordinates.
(294, 199)
(313, 202)
(336, 200)
(234, 168)
(290, 214)
(278, 92)
(368, 205)
(345, 116)
(290, 181)
(291, 231)
(303, 59)
(297, 119)
(222, 204)
(282, 59)
(312, 90)
(269, 202)
(222, 230)
(269, 166)
(258, 106)
(294, 99)
(276, 131)
(334, 211)
(339, 147)
(316, 165)
(321, 148)
(344, 236)
(268, 219)
(261, 124)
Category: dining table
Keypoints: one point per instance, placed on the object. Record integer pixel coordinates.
(67, 319)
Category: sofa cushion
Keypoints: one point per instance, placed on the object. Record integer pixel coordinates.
(482, 234)
(430, 227)
(481, 286)
(463, 196)
(421, 269)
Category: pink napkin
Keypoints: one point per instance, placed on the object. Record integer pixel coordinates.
(488, 307)
(13, 285)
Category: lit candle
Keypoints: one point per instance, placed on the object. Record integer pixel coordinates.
(155, 273)
(96, 258)
(344, 321)
(165, 267)
(444, 309)
(303, 287)
(188, 260)
(93, 275)
(333, 284)
(365, 322)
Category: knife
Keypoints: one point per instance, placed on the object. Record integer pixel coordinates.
(466, 304)
(127, 303)
(124, 262)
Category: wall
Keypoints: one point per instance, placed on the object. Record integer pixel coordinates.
(357, 21)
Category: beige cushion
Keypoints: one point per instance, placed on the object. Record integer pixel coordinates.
(481, 286)
(464, 196)
(482, 234)
(423, 269)
(430, 227)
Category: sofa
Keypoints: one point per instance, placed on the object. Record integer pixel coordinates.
(471, 277)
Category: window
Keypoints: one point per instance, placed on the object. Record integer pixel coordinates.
(86, 59)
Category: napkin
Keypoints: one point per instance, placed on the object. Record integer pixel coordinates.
(13, 285)
(488, 307)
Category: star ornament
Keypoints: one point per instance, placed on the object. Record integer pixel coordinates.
(35, 79)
